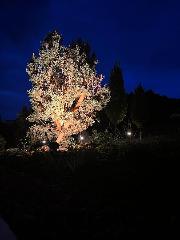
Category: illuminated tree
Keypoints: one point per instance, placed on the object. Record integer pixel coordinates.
(66, 92)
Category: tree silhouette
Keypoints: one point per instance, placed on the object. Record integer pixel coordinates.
(117, 107)
(138, 107)
(85, 48)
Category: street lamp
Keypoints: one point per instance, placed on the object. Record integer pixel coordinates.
(129, 133)
(43, 141)
(81, 137)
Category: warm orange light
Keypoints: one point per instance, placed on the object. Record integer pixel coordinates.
(60, 127)
(81, 98)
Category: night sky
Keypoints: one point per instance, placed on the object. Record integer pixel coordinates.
(144, 36)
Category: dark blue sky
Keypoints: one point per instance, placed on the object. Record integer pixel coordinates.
(143, 35)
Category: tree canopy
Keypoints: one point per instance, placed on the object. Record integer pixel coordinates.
(66, 92)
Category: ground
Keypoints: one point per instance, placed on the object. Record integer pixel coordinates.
(130, 189)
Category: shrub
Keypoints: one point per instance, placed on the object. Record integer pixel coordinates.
(106, 141)
(2, 143)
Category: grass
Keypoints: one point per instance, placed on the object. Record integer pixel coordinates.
(132, 188)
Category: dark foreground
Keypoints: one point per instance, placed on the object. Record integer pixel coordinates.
(131, 189)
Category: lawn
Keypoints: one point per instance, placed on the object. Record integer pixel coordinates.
(132, 188)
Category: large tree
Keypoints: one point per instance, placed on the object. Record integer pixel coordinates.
(66, 92)
(117, 107)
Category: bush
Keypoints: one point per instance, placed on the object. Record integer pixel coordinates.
(2, 143)
(106, 141)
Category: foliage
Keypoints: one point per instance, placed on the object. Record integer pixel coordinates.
(84, 47)
(117, 107)
(21, 123)
(2, 143)
(106, 141)
(66, 92)
(138, 109)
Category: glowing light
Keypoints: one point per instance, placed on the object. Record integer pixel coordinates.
(129, 133)
(44, 141)
(81, 137)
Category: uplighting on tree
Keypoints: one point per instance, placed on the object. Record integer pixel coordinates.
(66, 92)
